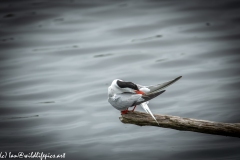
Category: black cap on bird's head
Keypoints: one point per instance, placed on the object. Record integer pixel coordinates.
(123, 84)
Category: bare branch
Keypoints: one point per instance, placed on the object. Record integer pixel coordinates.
(183, 124)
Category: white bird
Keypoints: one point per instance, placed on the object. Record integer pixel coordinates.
(122, 95)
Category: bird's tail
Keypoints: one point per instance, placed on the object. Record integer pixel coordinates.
(146, 108)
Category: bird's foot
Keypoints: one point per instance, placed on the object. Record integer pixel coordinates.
(133, 108)
(124, 112)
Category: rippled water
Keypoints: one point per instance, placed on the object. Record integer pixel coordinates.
(58, 58)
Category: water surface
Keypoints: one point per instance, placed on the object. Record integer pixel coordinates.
(58, 58)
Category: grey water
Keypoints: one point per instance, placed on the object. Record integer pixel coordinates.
(57, 59)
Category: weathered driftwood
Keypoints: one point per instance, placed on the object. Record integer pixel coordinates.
(183, 124)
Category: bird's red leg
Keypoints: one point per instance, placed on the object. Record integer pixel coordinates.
(134, 108)
(124, 111)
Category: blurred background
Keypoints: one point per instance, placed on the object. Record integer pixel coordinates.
(57, 59)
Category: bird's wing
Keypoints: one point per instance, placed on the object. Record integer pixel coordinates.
(146, 108)
(158, 87)
(122, 101)
(147, 97)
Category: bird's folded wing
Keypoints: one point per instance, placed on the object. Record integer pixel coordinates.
(158, 87)
(123, 100)
(147, 97)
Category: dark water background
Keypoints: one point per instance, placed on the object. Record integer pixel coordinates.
(57, 59)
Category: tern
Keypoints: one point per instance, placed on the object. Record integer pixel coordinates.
(122, 95)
